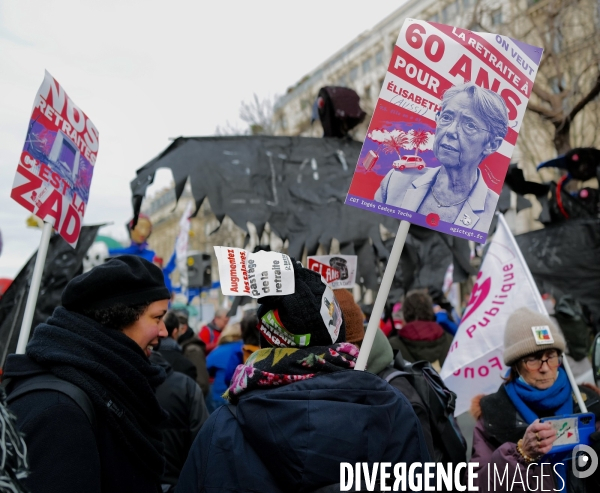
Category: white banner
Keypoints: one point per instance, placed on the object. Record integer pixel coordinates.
(475, 364)
(254, 274)
(339, 271)
(181, 247)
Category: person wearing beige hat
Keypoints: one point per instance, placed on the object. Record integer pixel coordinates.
(508, 429)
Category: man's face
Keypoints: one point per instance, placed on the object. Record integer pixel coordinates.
(462, 138)
(221, 321)
(149, 328)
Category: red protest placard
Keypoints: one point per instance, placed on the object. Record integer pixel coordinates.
(445, 127)
(327, 272)
(55, 170)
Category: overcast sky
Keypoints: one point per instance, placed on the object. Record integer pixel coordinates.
(146, 71)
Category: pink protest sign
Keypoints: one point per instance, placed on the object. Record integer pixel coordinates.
(55, 169)
(445, 127)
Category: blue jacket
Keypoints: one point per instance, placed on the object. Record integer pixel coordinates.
(217, 363)
(448, 325)
(293, 438)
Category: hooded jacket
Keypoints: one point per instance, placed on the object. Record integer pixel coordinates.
(293, 438)
(182, 398)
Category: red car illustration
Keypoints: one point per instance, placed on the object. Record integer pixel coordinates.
(409, 162)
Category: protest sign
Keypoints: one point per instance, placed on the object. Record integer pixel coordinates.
(259, 274)
(339, 271)
(444, 128)
(475, 364)
(55, 168)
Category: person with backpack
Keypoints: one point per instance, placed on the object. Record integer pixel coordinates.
(182, 398)
(297, 409)
(84, 391)
(431, 400)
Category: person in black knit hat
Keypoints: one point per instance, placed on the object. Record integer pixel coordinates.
(297, 410)
(98, 343)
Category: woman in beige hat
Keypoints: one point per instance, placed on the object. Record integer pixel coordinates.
(508, 434)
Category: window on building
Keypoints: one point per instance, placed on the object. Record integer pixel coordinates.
(379, 57)
(497, 17)
(467, 3)
(366, 66)
(354, 74)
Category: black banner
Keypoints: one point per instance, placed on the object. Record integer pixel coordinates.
(62, 264)
(565, 259)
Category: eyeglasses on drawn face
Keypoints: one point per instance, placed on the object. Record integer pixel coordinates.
(466, 124)
(533, 363)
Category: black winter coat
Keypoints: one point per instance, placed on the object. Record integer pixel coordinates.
(182, 398)
(66, 454)
(171, 351)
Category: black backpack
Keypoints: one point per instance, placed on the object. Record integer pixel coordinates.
(48, 381)
(440, 403)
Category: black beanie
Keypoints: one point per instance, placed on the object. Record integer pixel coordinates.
(309, 317)
(126, 279)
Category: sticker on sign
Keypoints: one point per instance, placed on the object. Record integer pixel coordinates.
(331, 313)
(243, 273)
(339, 271)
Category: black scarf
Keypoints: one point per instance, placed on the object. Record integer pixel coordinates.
(115, 373)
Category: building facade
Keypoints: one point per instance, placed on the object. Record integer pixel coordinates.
(560, 26)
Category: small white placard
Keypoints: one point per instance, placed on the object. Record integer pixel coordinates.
(339, 271)
(243, 273)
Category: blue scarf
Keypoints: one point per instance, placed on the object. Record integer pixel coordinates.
(556, 399)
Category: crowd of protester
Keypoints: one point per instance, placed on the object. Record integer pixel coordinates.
(117, 393)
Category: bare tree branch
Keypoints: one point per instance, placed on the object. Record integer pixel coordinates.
(589, 97)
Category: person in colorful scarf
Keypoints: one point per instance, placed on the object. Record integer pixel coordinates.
(508, 433)
(296, 407)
